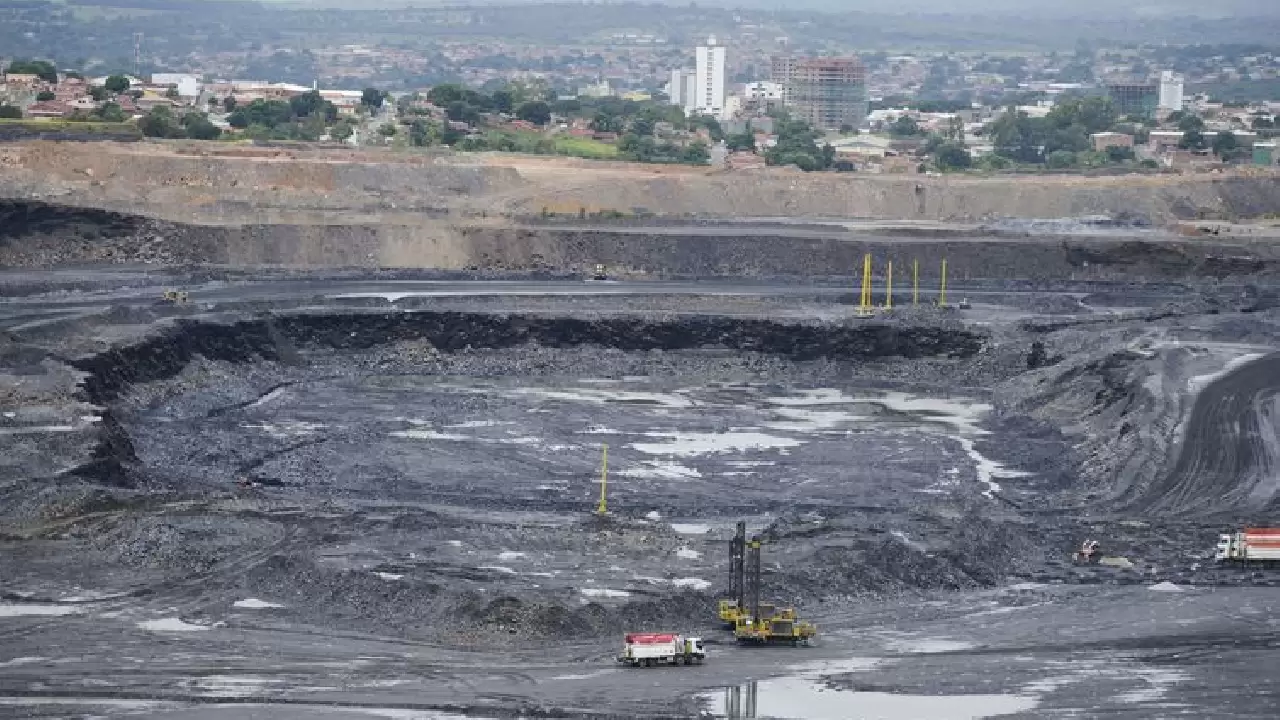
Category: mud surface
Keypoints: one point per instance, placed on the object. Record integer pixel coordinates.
(317, 496)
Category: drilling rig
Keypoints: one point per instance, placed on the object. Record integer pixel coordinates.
(734, 606)
(752, 621)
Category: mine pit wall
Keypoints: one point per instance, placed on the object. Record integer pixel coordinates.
(220, 184)
(36, 234)
(111, 373)
(1159, 199)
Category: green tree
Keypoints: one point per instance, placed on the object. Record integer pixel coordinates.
(42, 69)
(797, 145)
(642, 125)
(342, 131)
(1071, 138)
(952, 157)
(1119, 154)
(116, 84)
(160, 123)
(45, 96)
(710, 123)
(1060, 159)
(98, 94)
(372, 98)
(696, 153)
(459, 111)
(1017, 136)
(905, 126)
(419, 133)
(1224, 143)
(310, 104)
(199, 127)
(229, 103)
(10, 112)
(1190, 123)
(387, 130)
(110, 112)
(604, 121)
(1090, 114)
(503, 101)
(172, 93)
(1193, 140)
(536, 112)
(745, 140)
(443, 95)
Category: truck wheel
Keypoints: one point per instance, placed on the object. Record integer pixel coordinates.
(648, 662)
(678, 660)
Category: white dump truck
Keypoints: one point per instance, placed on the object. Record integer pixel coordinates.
(1252, 544)
(649, 649)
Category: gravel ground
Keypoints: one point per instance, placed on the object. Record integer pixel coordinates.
(282, 501)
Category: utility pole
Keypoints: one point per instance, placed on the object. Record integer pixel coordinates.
(603, 507)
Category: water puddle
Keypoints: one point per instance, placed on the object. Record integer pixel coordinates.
(797, 698)
(36, 610)
(660, 470)
(171, 625)
(255, 604)
(690, 528)
(692, 444)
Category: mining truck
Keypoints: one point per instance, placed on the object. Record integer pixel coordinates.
(1252, 544)
(649, 649)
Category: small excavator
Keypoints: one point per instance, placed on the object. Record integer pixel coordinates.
(754, 622)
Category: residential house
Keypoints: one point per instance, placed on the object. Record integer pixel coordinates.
(1104, 140)
(48, 110)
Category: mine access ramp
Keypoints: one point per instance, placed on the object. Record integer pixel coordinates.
(752, 621)
(649, 649)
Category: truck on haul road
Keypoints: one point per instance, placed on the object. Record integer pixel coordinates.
(1252, 544)
(649, 649)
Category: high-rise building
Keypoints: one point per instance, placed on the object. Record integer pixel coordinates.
(1170, 91)
(683, 89)
(780, 68)
(828, 93)
(1134, 98)
(709, 90)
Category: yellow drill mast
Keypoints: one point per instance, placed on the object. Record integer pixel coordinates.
(915, 283)
(942, 295)
(888, 287)
(864, 302)
(603, 507)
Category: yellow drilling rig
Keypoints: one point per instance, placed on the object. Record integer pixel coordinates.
(752, 621)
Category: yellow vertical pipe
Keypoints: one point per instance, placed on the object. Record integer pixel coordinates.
(603, 507)
(888, 286)
(942, 296)
(865, 299)
(915, 283)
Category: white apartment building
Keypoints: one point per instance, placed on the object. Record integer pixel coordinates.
(683, 89)
(762, 90)
(1170, 91)
(710, 74)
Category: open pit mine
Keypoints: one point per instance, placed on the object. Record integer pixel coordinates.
(302, 466)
